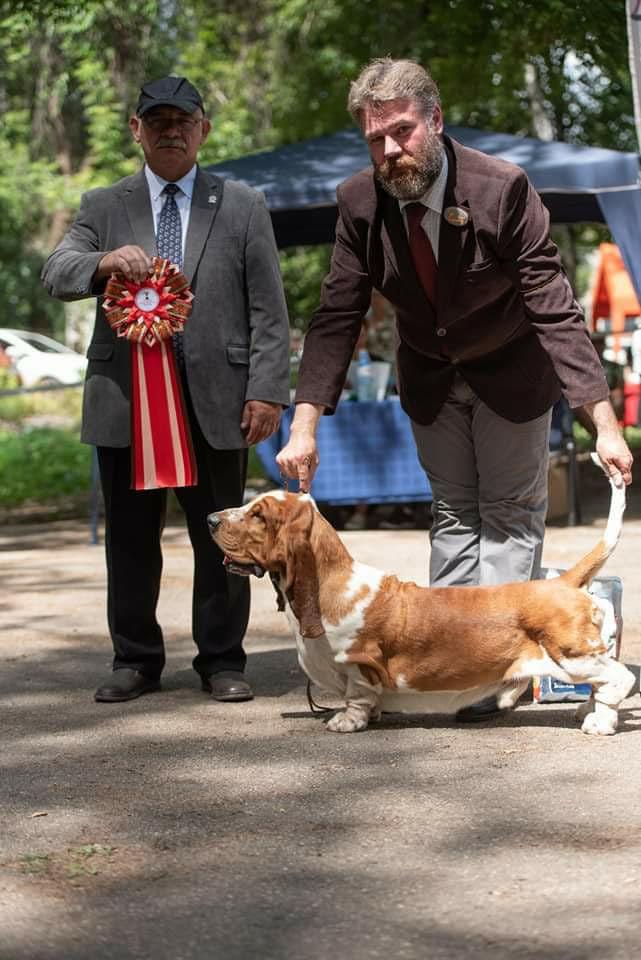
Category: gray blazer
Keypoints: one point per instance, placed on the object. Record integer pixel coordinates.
(236, 339)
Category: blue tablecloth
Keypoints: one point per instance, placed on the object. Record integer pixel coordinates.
(367, 454)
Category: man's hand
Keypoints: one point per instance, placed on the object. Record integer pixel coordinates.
(611, 447)
(616, 457)
(299, 457)
(130, 260)
(260, 419)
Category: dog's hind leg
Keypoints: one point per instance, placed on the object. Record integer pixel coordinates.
(612, 682)
(506, 697)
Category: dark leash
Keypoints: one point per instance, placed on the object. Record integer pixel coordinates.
(314, 707)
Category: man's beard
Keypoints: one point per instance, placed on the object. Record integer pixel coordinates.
(409, 178)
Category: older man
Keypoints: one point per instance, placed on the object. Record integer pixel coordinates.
(233, 366)
(490, 335)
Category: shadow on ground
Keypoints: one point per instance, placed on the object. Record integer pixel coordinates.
(142, 829)
(178, 828)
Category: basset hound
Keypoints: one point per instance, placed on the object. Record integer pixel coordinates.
(383, 644)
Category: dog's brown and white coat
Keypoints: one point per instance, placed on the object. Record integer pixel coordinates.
(378, 642)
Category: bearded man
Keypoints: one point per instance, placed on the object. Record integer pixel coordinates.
(490, 335)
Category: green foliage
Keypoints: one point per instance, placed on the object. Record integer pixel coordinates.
(45, 465)
(585, 442)
(303, 269)
(254, 467)
(8, 381)
(49, 405)
(41, 465)
(633, 437)
(272, 72)
(69, 73)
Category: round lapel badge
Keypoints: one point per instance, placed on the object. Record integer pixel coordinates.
(456, 216)
(147, 299)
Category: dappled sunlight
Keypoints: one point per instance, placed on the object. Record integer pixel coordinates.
(254, 821)
(335, 826)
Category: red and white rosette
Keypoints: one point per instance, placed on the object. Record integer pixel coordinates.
(148, 314)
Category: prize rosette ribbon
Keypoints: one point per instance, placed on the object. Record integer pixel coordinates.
(148, 314)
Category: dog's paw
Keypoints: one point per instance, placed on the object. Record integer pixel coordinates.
(349, 721)
(598, 725)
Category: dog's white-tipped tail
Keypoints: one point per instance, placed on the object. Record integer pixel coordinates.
(617, 507)
(582, 572)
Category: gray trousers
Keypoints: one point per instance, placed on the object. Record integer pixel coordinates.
(489, 480)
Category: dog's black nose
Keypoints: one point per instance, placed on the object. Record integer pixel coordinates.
(213, 521)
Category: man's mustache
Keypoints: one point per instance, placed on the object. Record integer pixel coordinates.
(397, 164)
(172, 142)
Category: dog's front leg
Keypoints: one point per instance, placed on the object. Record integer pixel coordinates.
(361, 704)
(584, 708)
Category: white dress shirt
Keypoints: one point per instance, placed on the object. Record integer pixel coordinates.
(183, 197)
(432, 200)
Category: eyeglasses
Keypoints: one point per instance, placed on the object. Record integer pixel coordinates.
(164, 123)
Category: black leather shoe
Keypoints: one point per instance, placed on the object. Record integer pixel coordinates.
(125, 684)
(229, 686)
(486, 709)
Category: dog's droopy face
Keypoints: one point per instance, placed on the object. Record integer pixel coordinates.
(272, 533)
(258, 537)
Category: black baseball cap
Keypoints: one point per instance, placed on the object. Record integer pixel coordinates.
(169, 92)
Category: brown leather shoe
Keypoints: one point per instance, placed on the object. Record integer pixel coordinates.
(229, 686)
(125, 684)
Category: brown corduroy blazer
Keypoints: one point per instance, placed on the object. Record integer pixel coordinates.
(506, 316)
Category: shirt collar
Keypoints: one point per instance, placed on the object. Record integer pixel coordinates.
(157, 184)
(434, 197)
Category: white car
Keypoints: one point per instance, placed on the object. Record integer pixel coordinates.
(39, 360)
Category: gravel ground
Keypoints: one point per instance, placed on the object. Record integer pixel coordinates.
(177, 828)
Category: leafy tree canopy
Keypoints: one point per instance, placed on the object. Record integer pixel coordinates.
(272, 72)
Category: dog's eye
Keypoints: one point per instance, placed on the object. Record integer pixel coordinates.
(257, 515)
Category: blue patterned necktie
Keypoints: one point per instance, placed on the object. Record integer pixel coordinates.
(169, 236)
(169, 240)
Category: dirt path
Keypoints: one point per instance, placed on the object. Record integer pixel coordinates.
(176, 828)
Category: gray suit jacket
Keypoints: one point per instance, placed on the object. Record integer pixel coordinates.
(236, 340)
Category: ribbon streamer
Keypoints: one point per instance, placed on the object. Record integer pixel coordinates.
(148, 314)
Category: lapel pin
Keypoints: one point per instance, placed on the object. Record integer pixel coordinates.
(456, 216)
(212, 199)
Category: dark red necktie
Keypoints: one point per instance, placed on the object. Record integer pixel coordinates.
(421, 248)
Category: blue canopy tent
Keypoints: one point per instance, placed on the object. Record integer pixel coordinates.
(577, 184)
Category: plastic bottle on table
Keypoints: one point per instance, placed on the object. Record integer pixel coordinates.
(365, 383)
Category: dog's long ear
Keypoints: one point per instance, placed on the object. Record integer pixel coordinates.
(303, 592)
(301, 574)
